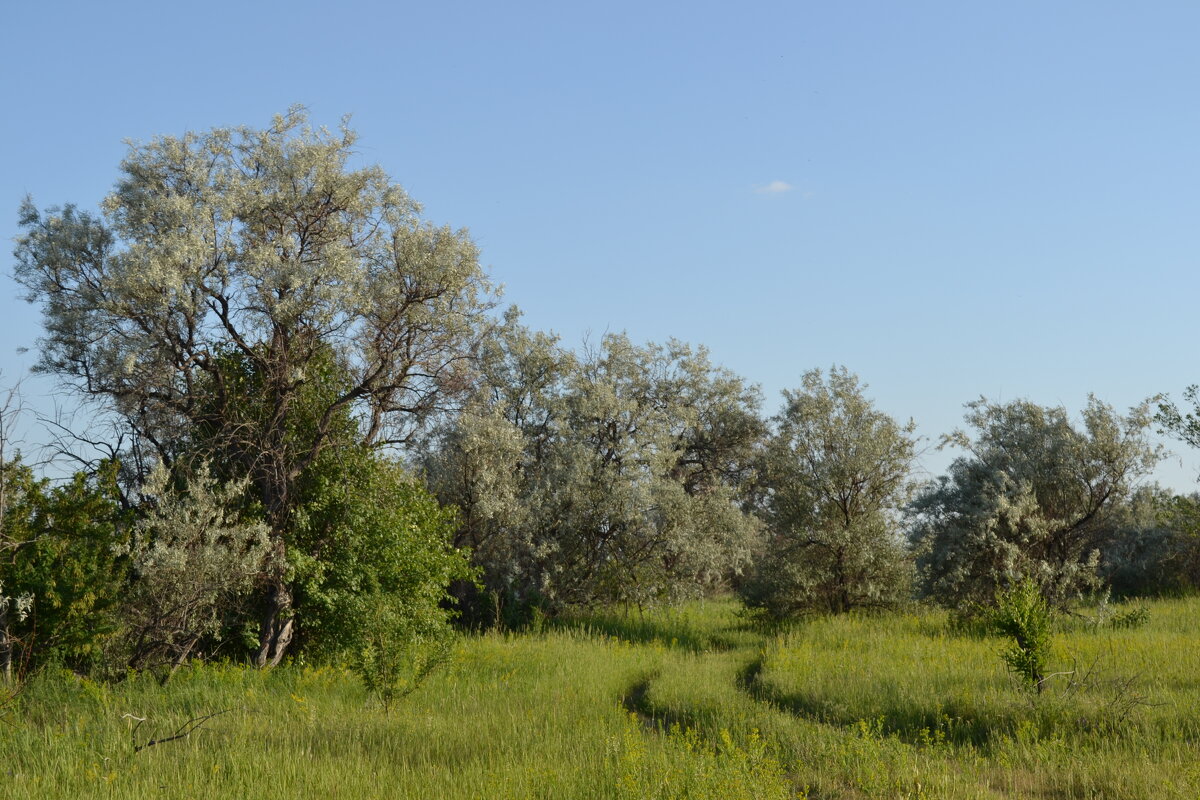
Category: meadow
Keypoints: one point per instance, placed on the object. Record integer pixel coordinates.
(694, 702)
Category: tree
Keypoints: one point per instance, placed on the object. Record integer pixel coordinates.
(610, 476)
(193, 561)
(372, 557)
(837, 471)
(60, 549)
(1035, 498)
(1023, 615)
(242, 257)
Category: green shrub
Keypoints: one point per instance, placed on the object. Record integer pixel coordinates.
(400, 647)
(1023, 614)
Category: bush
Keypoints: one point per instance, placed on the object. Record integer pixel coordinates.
(62, 551)
(1023, 614)
(399, 648)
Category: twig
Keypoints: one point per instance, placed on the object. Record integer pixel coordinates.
(183, 731)
(1054, 675)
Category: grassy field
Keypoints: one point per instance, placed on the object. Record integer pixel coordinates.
(685, 703)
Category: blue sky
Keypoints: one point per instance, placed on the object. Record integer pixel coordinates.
(951, 199)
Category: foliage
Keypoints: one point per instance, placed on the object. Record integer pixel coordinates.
(372, 556)
(1034, 498)
(837, 470)
(1023, 615)
(1180, 568)
(261, 245)
(1183, 425)
(613, 475)
(60, 549)
(13, 611)
(399, 647)
(1154, 545)
(1166, 557)
(193, 561)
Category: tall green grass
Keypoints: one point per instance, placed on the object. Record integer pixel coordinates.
(693, 702)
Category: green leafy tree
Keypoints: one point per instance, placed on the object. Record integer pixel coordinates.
(1035, 498)
(398, 646)
(60, 550)
(1023, 616)
(372, 557)
(260, 255)
(837, 471)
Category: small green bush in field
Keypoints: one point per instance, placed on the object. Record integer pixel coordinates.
(1023, 614)
(1135, 617)
(400, 648)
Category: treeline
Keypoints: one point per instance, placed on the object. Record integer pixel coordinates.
(324, 442)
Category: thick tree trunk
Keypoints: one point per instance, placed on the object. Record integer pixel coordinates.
(275, 633)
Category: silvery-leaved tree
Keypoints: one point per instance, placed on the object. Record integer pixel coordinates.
(193, 562)
(241, 258)
(1034, 498)
(614, 474)
(837, 472)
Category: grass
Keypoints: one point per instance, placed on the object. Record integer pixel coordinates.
(691, 702)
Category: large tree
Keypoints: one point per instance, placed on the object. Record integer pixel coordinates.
(1035, 497)
(228, 272)
(837, 472)
(610, 475)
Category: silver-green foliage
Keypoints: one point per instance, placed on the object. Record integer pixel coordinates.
(264, 250)
(1035, 497)
(837, 471)
(260, 242)
(610, 475)
(193, 562)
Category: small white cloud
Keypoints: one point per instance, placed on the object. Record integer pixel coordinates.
(775, 187)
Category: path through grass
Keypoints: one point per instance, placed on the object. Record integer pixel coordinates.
(684, 703)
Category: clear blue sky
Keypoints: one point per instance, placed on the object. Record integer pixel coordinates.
(951, 199)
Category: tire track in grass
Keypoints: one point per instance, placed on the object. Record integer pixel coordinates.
(719, 692)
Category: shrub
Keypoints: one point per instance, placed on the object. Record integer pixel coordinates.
(400, 647)
(1023, 614)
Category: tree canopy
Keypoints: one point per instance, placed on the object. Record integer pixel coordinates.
(229, 272)
(836, 474)
(610, 475)
(1033, 498)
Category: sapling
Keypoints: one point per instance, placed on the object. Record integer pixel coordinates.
(1023, 614)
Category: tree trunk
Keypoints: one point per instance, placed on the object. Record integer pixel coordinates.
(6, 643)
(179, 660)
(275, 629)
(278, 621)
